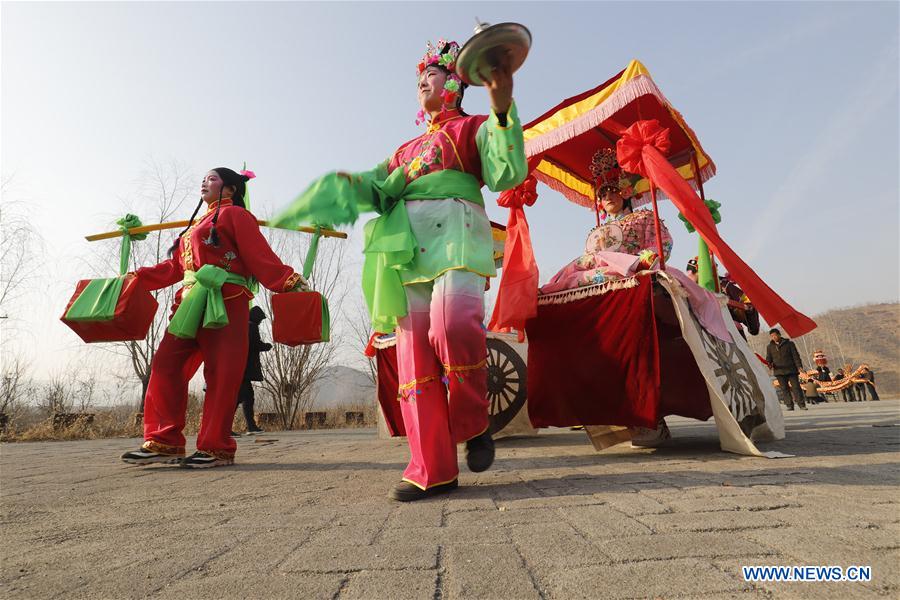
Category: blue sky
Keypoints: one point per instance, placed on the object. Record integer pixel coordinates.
(797, 103)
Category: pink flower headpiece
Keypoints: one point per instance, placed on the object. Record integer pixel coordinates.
(248, 174)
(442, 54)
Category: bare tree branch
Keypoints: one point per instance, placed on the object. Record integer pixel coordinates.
(21, 251)
(289, 374)
(360, 326)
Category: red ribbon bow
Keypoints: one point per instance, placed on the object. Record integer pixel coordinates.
(524, 194)
(641, 150)
(640, 135)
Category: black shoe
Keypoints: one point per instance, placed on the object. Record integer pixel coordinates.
(202, 460)
(480, 452)
(235, 434)
(407, 492)
(142, 456)
(789, 408)
(255, 432)
(803, 407)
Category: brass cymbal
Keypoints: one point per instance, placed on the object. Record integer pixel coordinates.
(485, 50)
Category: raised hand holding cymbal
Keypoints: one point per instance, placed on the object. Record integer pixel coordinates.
(499, 83)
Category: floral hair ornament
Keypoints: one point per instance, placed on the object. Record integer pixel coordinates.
(444, 55)
(247, 174)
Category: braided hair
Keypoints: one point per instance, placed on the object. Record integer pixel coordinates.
(231, 179)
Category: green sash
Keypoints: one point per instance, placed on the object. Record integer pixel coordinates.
(390, 244)
(203, 301)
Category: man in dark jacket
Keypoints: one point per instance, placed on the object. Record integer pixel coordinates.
(860, 389)
(784, 360)
(847, 392)
(253, 372)
(869, 375)
(823, 373)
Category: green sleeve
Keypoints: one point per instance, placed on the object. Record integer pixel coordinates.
(502, 150)
(335, 199)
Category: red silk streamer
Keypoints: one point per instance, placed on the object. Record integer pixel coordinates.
(370, 350)
(658, 228)
(517, 294)
(641, 150)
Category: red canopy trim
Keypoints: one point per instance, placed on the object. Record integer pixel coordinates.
(574, 129)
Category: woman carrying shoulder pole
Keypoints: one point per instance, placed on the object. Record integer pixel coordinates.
(213, 258)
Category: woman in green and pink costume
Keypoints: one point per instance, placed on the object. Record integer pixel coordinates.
(427, 259)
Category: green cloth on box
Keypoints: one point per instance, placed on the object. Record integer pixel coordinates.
(390, 246)
(326, 321)
(203, 301)
(98, 300)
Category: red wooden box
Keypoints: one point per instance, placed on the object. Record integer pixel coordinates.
(300, 318)
(134, 315)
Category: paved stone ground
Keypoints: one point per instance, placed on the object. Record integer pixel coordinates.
(306, 516)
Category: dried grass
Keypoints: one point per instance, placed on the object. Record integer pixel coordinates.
(120, 422)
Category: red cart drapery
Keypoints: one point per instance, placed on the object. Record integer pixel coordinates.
(611, 359)
(388, 384)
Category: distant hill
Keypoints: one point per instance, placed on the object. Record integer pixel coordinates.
(863, 334)
(342, 386)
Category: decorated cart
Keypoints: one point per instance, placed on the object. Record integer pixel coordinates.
(627, 352)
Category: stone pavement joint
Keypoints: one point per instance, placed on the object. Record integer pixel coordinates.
(307, 517)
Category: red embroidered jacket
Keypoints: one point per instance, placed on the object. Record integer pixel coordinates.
(242, 250)
(449, 143)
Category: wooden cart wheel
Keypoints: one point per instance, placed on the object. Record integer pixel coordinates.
(507, 383)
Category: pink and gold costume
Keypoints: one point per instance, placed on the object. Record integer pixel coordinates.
(631, 234)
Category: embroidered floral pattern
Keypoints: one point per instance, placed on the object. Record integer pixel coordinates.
(227, 259)
(429, 159)
(595, 277)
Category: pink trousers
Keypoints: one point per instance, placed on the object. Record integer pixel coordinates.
(441, 356)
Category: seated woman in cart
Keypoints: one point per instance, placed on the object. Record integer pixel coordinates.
(624, 243)
(625, 240)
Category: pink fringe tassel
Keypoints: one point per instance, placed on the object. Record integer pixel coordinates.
(588, 291)
(631, 91)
